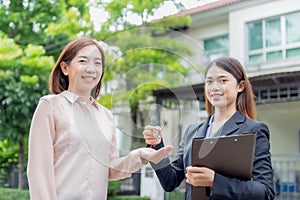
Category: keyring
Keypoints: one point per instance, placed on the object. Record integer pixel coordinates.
(155, 134)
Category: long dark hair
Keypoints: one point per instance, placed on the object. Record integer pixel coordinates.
(245, 100)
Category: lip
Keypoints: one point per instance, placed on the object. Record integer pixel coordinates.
(216, 95)
(88, 77)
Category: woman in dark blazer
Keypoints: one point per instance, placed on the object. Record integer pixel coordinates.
(231, 109)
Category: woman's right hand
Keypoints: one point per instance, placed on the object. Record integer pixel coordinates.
(152, 155)
(152, 135)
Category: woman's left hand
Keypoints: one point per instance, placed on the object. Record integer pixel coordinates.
(200, 176)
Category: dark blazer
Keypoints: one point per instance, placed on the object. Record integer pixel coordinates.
(171, 174)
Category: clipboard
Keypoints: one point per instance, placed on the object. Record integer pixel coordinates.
(231, 156)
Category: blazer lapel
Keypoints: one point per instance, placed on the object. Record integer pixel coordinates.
(197, 132)
(201, 132)
(233, 124)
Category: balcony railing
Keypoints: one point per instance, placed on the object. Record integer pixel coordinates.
(286, 176)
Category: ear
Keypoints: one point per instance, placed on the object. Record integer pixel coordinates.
(241, 86)
(64, 68)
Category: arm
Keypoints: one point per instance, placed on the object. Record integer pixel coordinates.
(261, 185)
(40, 169)
(122, 167)
(171, 174)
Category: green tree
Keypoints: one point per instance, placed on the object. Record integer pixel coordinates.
(48, 23)
(8, 161)
(23, 79)
(145, 61)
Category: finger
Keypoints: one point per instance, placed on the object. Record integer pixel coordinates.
(152, 134)
(168, 148)
(187, 180)
(147, 132)
(149, 127)
(195, 169)
(151, 141)
(149, 136)
(163, 152)
(152, 128)
(144, 161)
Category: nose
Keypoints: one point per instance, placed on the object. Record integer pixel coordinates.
(215, 86)
(91, 68)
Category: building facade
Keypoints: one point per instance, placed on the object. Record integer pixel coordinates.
(264, 35)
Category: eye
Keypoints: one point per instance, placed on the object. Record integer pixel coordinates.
(208, 81)
(82, 61)
(223, 80)
(98, 63)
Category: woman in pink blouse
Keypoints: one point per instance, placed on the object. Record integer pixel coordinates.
(72, 141)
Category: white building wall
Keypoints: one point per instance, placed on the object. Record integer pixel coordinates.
(123, 132)
(150, 186)
(283, 120)
(194, 38)
(239, 18)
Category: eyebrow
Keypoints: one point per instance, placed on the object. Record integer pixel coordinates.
(221, 76)
(82, 56)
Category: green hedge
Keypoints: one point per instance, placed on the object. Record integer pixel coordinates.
(13, 194)
(176, 195)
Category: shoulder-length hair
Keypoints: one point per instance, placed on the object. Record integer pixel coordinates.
(58, 82)
(245, 102)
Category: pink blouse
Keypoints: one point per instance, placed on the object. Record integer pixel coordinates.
(72, 150)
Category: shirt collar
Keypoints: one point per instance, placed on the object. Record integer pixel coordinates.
(211, 119)
(72, 98)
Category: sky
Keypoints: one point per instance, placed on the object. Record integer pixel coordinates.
(99, 16)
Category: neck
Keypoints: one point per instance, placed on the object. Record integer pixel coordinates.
(85, 95)
(223, 115)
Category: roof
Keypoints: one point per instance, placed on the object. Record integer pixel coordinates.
(209, 6)
(191, 92)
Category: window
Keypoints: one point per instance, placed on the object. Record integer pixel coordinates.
(274, 39)
(216, 47)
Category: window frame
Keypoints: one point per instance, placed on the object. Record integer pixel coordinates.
(222, 51)
(284, 47)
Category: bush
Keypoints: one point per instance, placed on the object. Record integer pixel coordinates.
(113, 188)
(13, 194)
(176, 195)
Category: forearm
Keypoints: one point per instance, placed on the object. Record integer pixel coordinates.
(123, 167)
(168, 177)
(170, 174)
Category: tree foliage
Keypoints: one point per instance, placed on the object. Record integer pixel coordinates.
(23, 79)
(145, 60)
(51, 24)
(30, 30)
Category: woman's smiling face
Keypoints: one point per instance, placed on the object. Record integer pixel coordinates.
(84, 71)
(221, 88)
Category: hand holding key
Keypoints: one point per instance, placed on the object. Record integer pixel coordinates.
(152, 135)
